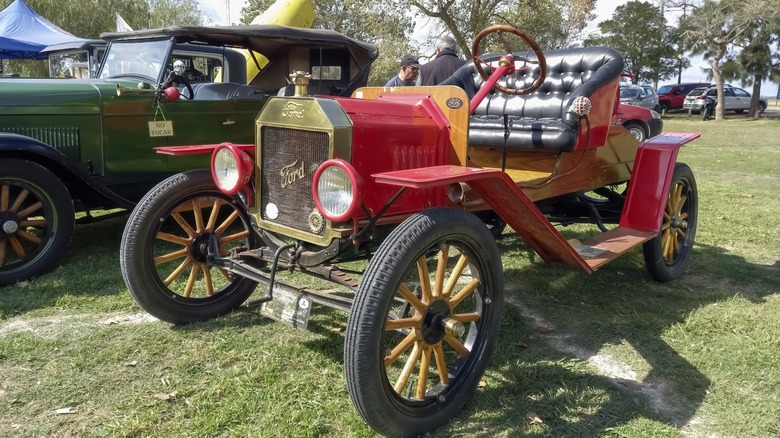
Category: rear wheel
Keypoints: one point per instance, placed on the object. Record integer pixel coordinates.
(424, 322)
(667, 255)
(164, 249)
(36, 220)
(761, 107)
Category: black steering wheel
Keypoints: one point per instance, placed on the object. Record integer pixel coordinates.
(174, 77)
(540, 59)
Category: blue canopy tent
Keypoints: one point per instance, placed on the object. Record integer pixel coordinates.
(24, 33)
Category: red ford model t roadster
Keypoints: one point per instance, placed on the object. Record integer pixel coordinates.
(418, 181)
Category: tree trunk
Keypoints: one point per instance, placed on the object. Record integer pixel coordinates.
(754, 109)
(719, 80)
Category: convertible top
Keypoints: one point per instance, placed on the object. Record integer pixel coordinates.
(267, 39)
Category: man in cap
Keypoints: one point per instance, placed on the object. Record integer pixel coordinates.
(408, 73)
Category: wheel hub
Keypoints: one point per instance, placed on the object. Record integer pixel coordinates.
(200, 247)
(10, 226)
(434, 323)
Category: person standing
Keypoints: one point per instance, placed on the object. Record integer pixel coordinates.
(408, 73)
(443, 65)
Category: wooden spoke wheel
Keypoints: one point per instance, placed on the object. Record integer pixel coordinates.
(166, 245)
(499, 30)
(36, 220)
(424, 322)
(667, 255)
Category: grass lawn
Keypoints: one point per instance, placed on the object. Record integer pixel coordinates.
(611, 354)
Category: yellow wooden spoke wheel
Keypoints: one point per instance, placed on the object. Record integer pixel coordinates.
(167, 245)
(668, 254)
(424, 322)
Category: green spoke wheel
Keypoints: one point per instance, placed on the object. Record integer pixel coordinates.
(36, 220)
(424, 322)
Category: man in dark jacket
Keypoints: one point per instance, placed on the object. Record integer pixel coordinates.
(443, 65)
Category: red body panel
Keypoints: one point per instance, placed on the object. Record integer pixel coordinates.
(401, 132)
(649, 188)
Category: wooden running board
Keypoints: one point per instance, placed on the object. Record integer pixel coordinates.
(605, 247)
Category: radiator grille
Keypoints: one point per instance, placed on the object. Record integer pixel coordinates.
(289, 159)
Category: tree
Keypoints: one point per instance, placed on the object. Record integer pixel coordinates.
(754, 62)
(714, 25)
(553, 24)
(385, 24)
(638, 30)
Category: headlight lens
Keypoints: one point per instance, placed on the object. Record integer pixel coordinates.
(337, 190)
(230, 168)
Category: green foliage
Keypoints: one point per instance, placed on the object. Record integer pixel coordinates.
(553, 24)
(638, 30)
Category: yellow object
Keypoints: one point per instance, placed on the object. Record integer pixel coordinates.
(294, 13)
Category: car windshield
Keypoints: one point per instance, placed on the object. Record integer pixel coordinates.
(666, 89)
(145, 59)
(629, 92)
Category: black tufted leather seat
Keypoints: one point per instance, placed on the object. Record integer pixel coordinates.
(226, 91)
(541, 120)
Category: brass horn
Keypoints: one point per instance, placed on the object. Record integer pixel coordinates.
(146, 88)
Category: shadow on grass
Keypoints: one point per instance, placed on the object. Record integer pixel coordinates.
(558, 318)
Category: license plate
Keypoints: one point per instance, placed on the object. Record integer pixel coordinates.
(289, 306)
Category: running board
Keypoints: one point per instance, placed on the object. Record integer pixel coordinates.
(605, 247)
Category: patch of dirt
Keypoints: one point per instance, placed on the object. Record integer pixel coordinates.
(661, 399)
(52, 327)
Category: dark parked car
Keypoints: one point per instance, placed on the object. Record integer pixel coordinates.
(71, 146)
(735, 99)
(671, 97)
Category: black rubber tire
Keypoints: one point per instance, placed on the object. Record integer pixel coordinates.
(140, 246)
(705, 113)
(666, 268)
(761, 107)
(638, 131)
(664, 109)
(370, 390)
(50, 241)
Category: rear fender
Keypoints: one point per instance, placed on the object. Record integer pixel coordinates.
(649, 187)
(72, 174)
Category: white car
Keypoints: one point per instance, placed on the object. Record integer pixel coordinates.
(639, 95)
(735, 99)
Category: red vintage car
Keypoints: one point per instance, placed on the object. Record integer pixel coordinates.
(418, 181)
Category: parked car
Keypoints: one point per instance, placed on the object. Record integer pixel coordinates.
(642, 123)
(735, 99)
(672, 96)
(639, 95)
(413, 180)
(81, 59)
(71, 146)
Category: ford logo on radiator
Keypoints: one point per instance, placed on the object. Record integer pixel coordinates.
(291, 173)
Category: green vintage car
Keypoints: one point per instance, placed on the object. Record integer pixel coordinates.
(76, 145)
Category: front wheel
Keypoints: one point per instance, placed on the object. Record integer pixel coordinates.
(424, 322)
(163, 255)
(36, 220)
(667, 255)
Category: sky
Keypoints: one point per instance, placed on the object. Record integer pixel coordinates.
(217, 12)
